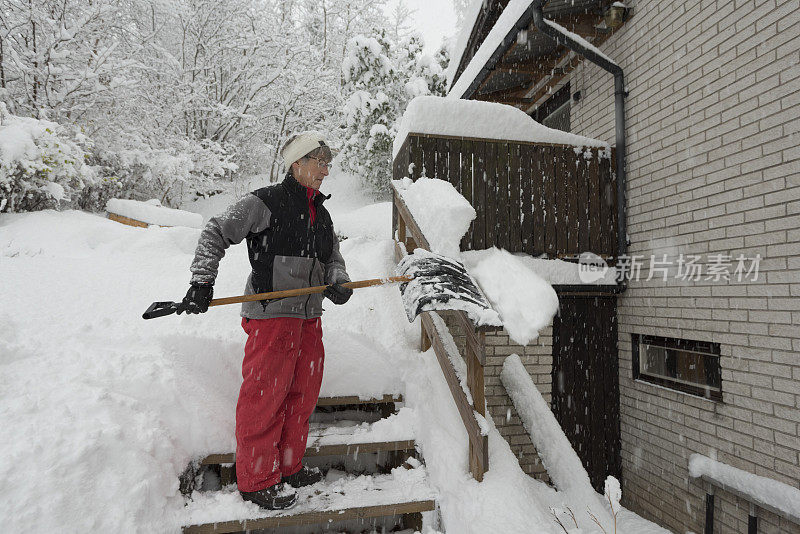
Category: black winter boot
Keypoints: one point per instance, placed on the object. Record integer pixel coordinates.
(277, 497)
(305, 477)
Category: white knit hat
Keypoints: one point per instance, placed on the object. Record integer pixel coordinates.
(301, 145)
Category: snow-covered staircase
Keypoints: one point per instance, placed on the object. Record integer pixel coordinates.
(374, 477)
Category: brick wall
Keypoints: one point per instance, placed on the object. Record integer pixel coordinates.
(538, 360)
(713, 168)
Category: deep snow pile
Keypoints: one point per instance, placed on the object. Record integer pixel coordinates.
(107, 409)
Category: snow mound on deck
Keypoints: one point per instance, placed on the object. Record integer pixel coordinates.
(441, 212)
(557, 272)
(526, 302)
(485, 120)
(152, 212)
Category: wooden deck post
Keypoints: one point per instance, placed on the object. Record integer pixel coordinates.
(478, 447)
(401, 230)
(425, 341)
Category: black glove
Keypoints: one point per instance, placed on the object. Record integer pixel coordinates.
(197, 298)
(337, 293)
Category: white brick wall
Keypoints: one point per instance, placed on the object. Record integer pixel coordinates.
(713, 167)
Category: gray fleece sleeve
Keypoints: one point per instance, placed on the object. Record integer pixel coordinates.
(335, 269)
(248, 215)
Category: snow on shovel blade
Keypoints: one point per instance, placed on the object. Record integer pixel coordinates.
(442, 283)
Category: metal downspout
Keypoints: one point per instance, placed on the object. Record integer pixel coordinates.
(619, 100)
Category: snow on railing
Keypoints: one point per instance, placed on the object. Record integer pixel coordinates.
(453, 355)
(470, 400)
(765, 493)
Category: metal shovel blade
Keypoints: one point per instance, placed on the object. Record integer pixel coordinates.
(441, 283)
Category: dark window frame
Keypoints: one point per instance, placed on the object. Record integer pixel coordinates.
(713, 373)
(549, 106)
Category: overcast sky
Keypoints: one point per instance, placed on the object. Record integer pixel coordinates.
(434, 19)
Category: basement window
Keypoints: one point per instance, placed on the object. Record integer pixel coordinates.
(684, 365)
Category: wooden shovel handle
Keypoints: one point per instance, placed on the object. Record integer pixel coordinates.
(307, 290)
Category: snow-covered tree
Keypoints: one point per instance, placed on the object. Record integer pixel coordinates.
(380, 79)
(198, 88)
(59, 58)
(399, 18)
(370, 81)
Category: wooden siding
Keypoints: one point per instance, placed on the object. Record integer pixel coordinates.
(532, 198)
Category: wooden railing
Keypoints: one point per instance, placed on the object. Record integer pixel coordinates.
(411, 237)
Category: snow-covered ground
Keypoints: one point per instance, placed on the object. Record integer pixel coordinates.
(103, 410)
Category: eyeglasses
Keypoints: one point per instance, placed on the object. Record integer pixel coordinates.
(322, 164)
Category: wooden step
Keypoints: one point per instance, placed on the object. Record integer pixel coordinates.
(404, 492)
(352, 400)
(335, 439)
(328, 450)
(310, 518)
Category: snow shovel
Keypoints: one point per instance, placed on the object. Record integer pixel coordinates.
(441, 283)
(428, 281)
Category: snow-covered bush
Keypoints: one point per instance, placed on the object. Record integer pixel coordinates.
(47, 165)
(42, 164)
(142, 172)
(135, 173)
(210, 159)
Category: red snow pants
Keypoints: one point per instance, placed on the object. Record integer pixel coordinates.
(282, 371)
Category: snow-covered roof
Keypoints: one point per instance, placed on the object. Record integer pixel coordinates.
(470, 17)
(511, 14)
(485, 120)
(505, 23)
(152, 212)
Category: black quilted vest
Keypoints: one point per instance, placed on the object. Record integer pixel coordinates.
(290, 232)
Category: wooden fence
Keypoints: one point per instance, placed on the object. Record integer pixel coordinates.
(533, 198)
